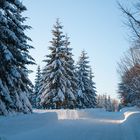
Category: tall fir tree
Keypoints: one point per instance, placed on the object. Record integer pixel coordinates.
(14, 57)
(86, 91)
(71, 79)
(35, 97)
(83, 81)
(92, 93)
(54, 74)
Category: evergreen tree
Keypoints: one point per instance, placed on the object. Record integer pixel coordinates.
(71, 85)
(86, 89)
(54, 74)
(129, 91)
(124, 94)
(14, 57)
(92, 93)
(129, 87)
(35, 96)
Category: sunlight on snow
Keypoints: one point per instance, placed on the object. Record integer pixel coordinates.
(67, 114)
(128, 114)
(75, 114)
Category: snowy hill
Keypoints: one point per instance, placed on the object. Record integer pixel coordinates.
(85, 124)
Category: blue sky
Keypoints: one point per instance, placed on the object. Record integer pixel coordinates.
(93, 25)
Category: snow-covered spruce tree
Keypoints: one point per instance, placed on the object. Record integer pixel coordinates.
(71, 79)
(92, 93)
(35, 96)
(124, 94)
(14, 57)
(86, 93)
(129, 88)
(54, 74)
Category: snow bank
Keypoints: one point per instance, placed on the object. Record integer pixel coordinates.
(68, 114)
(130, 123)
(96, 114)
(128, 112)
(62, 114)
(135, 108)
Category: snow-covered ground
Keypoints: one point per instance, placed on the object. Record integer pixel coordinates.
(88, 124)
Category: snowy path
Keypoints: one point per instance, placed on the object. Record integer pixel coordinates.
(90, 124)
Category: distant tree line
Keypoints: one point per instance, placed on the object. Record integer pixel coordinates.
(106, 102)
